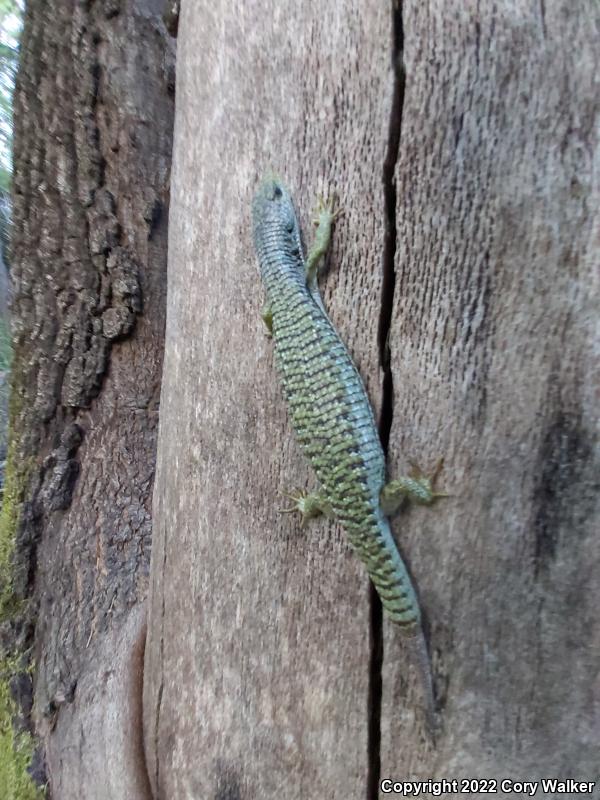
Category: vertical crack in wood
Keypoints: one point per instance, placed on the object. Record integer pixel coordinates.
(387, 404)
(159, 698)
(389, 246)
(375, 687)
(137, 732)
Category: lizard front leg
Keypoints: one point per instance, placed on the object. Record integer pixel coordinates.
(266, 314)
(323, 219)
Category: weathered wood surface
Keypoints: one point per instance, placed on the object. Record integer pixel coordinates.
(263, 669)
(495, 364)
(257, 662)
(93, 125)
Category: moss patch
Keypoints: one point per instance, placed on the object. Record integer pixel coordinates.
(5, 361)
(16, 747)
(15, 482)
(5, 345)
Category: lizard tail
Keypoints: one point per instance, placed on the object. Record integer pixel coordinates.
(419, 656)
(378, 551)
(398, 598)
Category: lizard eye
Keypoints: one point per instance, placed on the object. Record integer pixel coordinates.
(277, 203)
(273, 191)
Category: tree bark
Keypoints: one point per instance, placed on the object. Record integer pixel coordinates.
(93, 122)
(259, 647)
(494, 360)
(467, 246)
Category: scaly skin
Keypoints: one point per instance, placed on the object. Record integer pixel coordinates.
(329, 407)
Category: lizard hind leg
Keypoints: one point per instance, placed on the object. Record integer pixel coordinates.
(308, 504)
(417, 486)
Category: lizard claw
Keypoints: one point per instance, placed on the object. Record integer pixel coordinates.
(325, 208)
(298, 497)
(306, 504)
(428, 479)
(418, 487)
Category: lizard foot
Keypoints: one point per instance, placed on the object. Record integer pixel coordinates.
(324, 217)
(324, 211)
(309, 505)
(417, 486)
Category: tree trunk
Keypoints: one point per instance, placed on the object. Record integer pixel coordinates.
(466, 245)
(494, 359)
(93, 122)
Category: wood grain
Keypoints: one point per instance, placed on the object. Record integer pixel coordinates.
(495, 366)
(261, 675)
(257, 664)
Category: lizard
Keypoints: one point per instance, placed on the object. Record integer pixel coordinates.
(331, 413)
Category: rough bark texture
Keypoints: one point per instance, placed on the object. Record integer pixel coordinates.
(93, 122)
(468, 236)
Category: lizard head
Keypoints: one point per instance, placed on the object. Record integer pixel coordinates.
(274, 220)
(273, 201)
